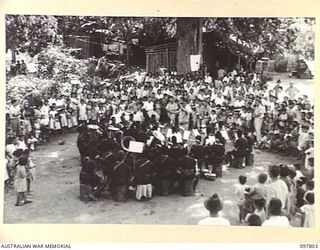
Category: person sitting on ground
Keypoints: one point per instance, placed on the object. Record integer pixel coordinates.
(90, 177)
(276, 218)
(214, 205)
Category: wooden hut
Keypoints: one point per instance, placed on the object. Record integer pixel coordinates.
(163, 55)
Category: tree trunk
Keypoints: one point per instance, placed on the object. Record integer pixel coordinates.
(189, 36)
(13, 54)
(128, 53)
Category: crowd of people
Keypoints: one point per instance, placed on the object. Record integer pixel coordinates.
(187, 120)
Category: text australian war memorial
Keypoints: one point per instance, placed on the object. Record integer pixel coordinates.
(145, 120)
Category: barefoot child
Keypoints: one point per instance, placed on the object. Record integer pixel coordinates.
(31, 170)
(21, 181)
(240, 192)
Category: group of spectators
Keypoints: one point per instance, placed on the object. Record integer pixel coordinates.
(281, 120)
(279, 196)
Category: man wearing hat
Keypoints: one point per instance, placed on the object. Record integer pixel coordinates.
(214, 205)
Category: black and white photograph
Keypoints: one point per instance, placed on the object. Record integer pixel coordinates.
(159, 120)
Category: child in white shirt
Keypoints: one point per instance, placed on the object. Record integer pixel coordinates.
(307, 210)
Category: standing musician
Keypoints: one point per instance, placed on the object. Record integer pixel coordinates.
(197, 151)
(218, 157)
(241, 148)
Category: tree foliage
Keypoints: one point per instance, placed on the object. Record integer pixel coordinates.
(149, 30)
(272, 36)
(30, 33)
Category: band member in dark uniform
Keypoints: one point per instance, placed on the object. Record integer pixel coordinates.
(249, 158)
(119, 177)
(91, 183)
(197, 151)
(241, 149)
(88, 141)
(143, 178)
(164, 167)
(107, 161)
(218, 157)
(186, 174)
(175, 151)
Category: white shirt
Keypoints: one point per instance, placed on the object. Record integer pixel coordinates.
(52, 101)
(240, 189)
(14, 111)
(139, 78)
(138, 116)
(159, 96)
(277, 221)
(259, 112)
(208, 79)
(309, 218)
(302, 140)
(281, 96)
(219, 100)
(309, 154)
(239, 103)
(217, 221)
(22, 145)
(278, 189)
(10, 148)
(45, 110)
(148, 106)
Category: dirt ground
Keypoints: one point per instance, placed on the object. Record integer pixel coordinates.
(56, 194)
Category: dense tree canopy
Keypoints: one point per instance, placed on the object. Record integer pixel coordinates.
(270, 36)
(150, 30)
(26, 33)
